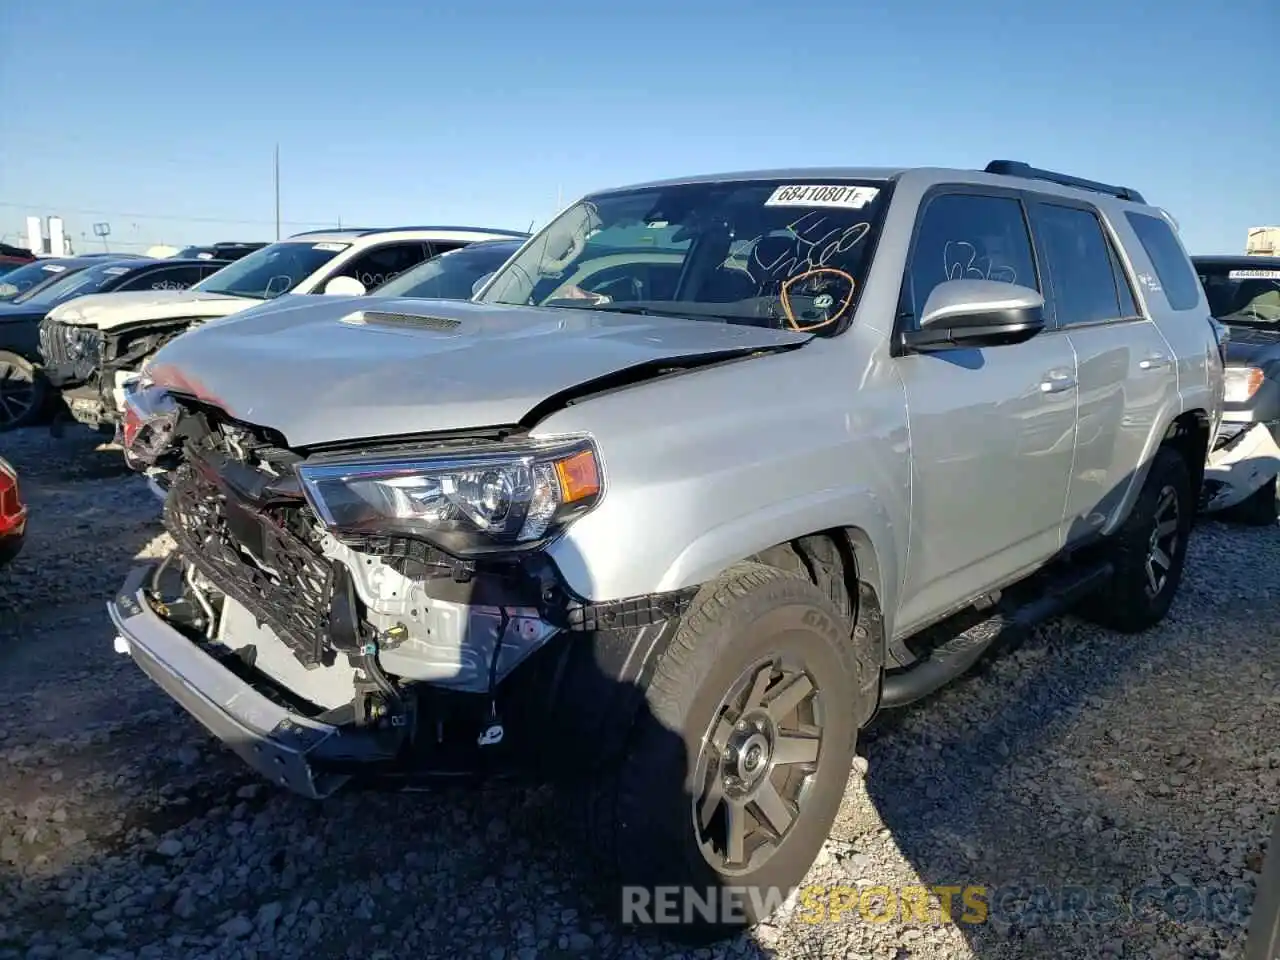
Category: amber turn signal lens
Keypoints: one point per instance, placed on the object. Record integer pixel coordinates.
(579, 478)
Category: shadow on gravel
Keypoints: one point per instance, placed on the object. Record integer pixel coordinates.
(958, 824)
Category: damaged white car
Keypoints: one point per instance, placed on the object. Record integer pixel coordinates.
(1244, 295)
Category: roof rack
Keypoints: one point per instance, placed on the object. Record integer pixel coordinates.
(1016, 168)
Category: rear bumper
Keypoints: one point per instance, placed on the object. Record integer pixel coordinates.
(280, 744)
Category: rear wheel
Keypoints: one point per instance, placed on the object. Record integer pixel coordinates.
(1149, 550)
(734, 772)
(22, 392)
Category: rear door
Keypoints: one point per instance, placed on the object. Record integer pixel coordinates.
(1125, 367)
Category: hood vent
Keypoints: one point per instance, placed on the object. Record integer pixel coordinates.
(384, 319)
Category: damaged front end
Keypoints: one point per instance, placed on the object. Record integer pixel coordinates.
(92, 368)
(1245, 458)
(371, 612)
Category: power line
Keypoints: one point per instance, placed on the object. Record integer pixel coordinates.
(82, 211)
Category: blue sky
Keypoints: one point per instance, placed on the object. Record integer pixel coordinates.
(160, 118)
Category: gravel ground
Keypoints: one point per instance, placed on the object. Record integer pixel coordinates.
(1082, 771)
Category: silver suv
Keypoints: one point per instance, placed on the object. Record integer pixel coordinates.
(707, 473)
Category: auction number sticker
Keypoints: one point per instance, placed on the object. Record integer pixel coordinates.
(115, 271)
(1254, 275)
(331, 247)
(822, 195)
(53, 268)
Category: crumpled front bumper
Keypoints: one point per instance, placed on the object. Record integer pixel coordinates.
(1239, 468)
(278, 743)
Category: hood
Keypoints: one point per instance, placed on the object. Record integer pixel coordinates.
(108, 310)
(364, 368)
(1252, 346)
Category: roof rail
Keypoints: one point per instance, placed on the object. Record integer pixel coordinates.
(1016, 168)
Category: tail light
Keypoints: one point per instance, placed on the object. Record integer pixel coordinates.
(13, 512)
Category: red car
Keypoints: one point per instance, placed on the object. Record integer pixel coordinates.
(13, 513)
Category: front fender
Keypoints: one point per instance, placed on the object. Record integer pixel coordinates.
(859, 510)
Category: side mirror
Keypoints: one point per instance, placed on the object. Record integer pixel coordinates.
(479, 284)
(345, 287)
(976, 313)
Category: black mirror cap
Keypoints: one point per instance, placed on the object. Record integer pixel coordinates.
(993, 328)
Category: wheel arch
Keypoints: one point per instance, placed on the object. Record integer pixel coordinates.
(1188, 433)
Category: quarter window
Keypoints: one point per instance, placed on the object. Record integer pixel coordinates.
(383, 263)
(1172, 267)
(970, 236)
(1082, 267)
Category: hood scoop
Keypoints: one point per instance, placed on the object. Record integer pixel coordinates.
(383, 318)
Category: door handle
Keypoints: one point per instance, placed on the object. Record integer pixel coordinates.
(1154, 362)
(1057, 383)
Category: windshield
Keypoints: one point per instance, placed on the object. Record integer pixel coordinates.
(27, 278)
(770, 253)
(271, 271)
(1244, 296)
(78, 284)
(449, 276)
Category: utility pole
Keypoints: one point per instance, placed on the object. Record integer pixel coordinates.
(277, 179)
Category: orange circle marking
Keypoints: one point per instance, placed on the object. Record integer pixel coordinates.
(784, 295)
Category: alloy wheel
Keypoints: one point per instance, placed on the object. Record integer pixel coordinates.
(17, 393)
(1163, 545)
(756, 764)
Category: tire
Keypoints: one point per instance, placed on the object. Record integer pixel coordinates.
(1258, 510)
(23, 392)
(1128, 603)
(755, 632)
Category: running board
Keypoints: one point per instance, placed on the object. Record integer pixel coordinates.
(956, 656)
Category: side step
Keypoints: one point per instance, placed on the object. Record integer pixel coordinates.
(953, 658)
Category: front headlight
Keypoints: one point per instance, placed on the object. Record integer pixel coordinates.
(498, 499)
(1241, 383)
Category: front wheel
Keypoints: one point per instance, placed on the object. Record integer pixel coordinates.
(1149, 550)
(22, 392)
(735, 771)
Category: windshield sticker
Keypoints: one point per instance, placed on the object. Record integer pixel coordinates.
(817, 195)
(331, 247)
(115, 271)
(204, 256)
(1254, 275)
(53, 268)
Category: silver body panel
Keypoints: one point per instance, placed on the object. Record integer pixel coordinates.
(956, 477)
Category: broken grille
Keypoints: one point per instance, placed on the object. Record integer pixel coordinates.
(253, 558)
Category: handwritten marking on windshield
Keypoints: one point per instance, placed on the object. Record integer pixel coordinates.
(807, 255)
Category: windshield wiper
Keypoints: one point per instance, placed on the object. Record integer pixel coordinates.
(638, 310)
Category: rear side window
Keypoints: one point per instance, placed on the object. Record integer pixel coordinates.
(970, 236)
(1173, 270)
(1088, 286)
